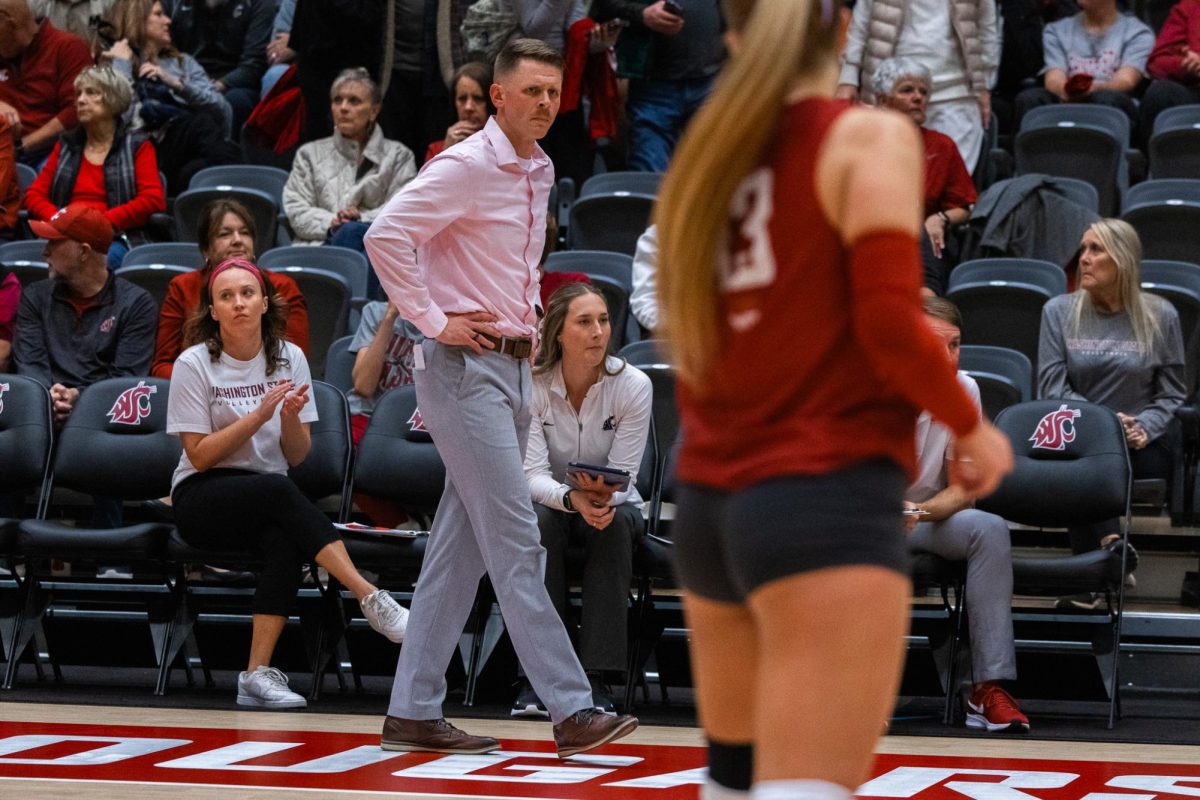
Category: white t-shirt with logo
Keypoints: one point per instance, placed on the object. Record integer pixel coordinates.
(207, 397)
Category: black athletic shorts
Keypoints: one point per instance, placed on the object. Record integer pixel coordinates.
(727, 544)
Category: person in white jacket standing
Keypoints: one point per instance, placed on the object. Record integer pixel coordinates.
(339, 184)
(592, 408)
(957, 40)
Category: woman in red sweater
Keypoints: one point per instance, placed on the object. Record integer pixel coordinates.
(225, 230)
(102, 164)
(1174, 64)
(790, 278)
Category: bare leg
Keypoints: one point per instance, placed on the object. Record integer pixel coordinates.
(336, 561)
(724, 649)
(265, 635)
(831, 650)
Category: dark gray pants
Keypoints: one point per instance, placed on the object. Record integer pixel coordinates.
(607, 572)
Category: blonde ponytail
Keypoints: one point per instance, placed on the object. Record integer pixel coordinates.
(784, 42)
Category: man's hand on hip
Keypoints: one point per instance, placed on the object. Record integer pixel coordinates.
(463, 330)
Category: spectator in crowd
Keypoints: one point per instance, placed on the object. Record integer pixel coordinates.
(1110, 343)
(1096, 56)
(10, 188)
(339, 184)
(671, 61)
(643, 301)
(1021, 52)
(240, 405)
(279, 55)
(10, 299)
(82, 324)
(38, 65)
(177, 104)
(947, 525)
(472, 105)
(569, 141)
(904, 84)
(225, 230)
(102, 164)
(83, 18)
(958, 42)
(383, 349)
(229, 39)
(1174, 64)
(591, 408)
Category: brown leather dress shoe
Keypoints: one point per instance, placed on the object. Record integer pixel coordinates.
(432, 736)
(587, 729)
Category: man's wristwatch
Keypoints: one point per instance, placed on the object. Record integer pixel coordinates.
(566, 501)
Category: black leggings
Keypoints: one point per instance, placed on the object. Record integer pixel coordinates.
(234, 509)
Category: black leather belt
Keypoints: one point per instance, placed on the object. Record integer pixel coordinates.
(517, 348)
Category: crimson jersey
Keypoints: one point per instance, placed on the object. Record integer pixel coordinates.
(793, 388)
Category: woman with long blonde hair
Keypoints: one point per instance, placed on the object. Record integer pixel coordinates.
(790, 279)
(1110, 343)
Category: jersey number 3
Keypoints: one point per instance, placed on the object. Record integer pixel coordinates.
(750, 260)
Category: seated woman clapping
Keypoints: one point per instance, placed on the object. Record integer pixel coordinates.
(239, 402)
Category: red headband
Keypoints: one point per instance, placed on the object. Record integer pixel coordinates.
(235, 263)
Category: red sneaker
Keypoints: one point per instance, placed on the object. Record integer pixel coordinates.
(993, 709)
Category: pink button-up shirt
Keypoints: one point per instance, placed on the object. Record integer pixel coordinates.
(466, 235)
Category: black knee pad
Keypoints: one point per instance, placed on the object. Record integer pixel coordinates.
(731, 765)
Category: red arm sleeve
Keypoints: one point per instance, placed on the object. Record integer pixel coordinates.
(1166, 59)
(297, 324)
(885, 276)
(37, 196)
(73, 58)
(168, 343)
(149, 198)
(959, 191)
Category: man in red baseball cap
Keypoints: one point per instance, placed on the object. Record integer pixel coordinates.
(84, 324)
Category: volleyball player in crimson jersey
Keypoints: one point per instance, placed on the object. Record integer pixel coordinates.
(790, 278)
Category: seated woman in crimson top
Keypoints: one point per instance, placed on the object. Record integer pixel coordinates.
(102, 164)
(904, 84)
(472, 105)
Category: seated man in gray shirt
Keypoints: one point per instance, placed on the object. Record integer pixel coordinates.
(1096, 56)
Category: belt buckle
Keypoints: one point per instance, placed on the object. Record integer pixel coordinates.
(504, 343)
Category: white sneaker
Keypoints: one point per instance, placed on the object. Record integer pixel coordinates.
(267, 687)
(385, 615)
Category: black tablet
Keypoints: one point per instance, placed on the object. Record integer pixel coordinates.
(618, 478)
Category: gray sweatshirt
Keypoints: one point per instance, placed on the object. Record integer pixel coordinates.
(1101, 363)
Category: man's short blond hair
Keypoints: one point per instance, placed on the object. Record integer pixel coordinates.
(518, 50)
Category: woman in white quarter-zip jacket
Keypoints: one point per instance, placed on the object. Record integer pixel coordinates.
(592, 408)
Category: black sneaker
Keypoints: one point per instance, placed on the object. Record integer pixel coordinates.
(602, 699)
(1088, 601)
(527, 704)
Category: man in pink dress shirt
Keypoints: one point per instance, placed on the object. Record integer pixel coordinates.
(457, 251)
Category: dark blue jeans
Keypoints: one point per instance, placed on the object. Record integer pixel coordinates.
(658, 111)
(350, 234)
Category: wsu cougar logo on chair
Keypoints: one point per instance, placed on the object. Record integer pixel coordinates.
(133, 405)
(1057, 429)
(415, 423)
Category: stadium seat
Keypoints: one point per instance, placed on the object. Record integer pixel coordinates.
(250, 176)
(116, 423)
(646, 183)
(1166, 215)
(1071, 467)
(168, 254)
(154, 278)
(350, 264)
(1005, 376)
(261, 205)
(339, 364)
(617, 266)
(1001, 301)
(327, 295)
(26, 438)
(1088, 142)
(645, 353)
(609, 221)
(1174, 148)
(25, 259)
(26, 175)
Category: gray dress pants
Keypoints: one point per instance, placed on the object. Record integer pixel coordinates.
(983, 541)
(477, 410)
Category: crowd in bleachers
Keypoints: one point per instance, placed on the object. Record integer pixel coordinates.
(151, 140)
